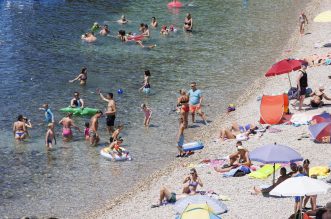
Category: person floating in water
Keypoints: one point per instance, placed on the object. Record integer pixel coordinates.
(49, 136)
(148, 114)
(188, 23)
(164, 30)
(19, 128)
(77, 102)
(146, 88)
(104, 31)
(124, 38)
(154, 22)
(89, 37)
(122, 20)
(82, 77)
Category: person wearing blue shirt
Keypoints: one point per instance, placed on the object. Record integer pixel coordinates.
(195, 102)
(49, 117)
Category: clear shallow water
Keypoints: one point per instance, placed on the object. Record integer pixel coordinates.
(40, 48)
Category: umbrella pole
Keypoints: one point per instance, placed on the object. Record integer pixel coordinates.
(288, 75)
(273, 177)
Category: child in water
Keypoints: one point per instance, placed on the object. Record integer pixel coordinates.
(116, 133)
(49, 136)
(148, 114)
(87, 131)
(115, 146)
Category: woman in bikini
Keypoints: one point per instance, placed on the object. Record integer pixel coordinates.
(67, 123)
(188, 23)
(19, 128)
(317, 97)
(183, 105)
(82, 77)
(191, 183)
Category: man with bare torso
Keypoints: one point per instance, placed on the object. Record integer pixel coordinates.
(19, 128)
(94, 136)
(111, 111)
(67, 123)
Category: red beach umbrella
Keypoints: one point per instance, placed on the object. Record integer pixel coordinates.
(285, 66)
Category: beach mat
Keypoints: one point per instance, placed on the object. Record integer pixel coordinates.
(264, 172)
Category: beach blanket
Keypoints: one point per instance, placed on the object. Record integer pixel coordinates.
(264, 172)
(234, 172)
(301, 119)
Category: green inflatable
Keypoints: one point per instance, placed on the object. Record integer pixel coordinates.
(79, 111)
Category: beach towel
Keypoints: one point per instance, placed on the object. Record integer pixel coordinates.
(231, 172)
(319, 171)
(239, 171)
(301, 119)
(264, 172)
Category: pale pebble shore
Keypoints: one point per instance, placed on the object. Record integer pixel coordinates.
(136, 203)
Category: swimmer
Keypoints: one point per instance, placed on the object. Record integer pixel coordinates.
(164, 30)
(111, 111)
(123, 20)
(87, 131)
(142, 28)
(148, 114)
(67, 123)
(95, 27)
(122, 35)
(116, 147)
(27, 125)
(82, 77)
(104, 31)
(147, 86)
(146, 31)
(188, 23)
(154, 22)
(19, 129)
(172, 28)
(116, 133)
(89, 37)
(93, 132)
(77, 102)
(124, 38)
(49, 136)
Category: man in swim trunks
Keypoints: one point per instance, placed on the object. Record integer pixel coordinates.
(77, 102)
(93, 132)
(67, 123)
(195, 102)
(111, 111)
(19, 128)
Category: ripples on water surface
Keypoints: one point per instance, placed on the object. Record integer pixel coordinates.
(233, 42)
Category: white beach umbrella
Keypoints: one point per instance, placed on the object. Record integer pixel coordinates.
(300, 186)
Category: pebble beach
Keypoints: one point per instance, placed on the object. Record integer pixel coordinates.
(137, 203)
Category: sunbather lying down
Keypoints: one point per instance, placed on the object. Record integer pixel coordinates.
(239, 158)
(168, 196)
(317, 97)
(316, 60)
(265, 191)
(237, 131)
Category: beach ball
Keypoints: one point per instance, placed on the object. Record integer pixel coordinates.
(120, 91)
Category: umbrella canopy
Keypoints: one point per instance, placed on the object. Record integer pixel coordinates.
(300, 186)
(275, 153)
(215, 205)
(285, 66)
(198, 211)
(324, 117)
(321, 132)
(323, 17)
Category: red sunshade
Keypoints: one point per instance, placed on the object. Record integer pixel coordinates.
(285, 66)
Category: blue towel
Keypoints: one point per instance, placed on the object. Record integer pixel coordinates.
(231, 172)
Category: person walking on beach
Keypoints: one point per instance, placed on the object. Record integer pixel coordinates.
(302, 20)
(111, 111)
(67, 123)
(195, 101)
(183, 104)
(302, 84)
(49, 136)
(19, 128)
(77, 102)
(82, 77)
(180, 138)
(93, 132)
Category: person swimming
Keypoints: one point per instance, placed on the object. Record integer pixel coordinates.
(122, 20)
(82, 77)
(104, 31)
(154, 22)
(164, 30)
(89, 37)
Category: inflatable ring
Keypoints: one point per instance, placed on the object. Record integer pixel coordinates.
(112, 155)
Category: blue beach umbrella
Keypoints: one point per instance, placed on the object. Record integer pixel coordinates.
(275, 153)
(217, 206)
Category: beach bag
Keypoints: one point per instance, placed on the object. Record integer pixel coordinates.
(293, 93)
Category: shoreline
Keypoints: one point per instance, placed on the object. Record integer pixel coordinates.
(205, 134)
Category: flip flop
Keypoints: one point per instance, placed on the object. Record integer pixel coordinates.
(155, 206)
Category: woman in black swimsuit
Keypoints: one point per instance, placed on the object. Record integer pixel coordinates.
(188, 23)
(82, 77)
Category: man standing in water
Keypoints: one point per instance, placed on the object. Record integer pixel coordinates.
(195, 102)
(111, 111)
(94, 136)
(19, 128)
(67, 123)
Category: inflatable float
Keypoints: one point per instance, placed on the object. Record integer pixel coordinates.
(175, 4)
(136, 38)
(112, 155)
(193, 146)
(79, 111)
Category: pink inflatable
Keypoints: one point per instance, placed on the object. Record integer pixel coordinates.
(136, 38)
(175, 4)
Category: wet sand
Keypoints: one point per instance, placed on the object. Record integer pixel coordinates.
(136, 203)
